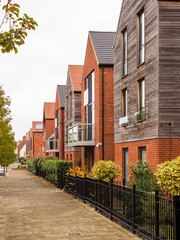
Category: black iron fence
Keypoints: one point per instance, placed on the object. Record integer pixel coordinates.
(149, 214)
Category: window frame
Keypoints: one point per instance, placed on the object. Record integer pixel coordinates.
(124, 52)
(124, 102)
(141, 37)
(140, 149)
(141, 95)
(125, 175)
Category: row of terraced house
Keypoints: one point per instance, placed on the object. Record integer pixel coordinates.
(123, 104)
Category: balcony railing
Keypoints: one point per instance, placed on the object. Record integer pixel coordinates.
(52, 145)
(81, 135)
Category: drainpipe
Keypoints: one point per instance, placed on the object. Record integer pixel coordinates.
(102, 113)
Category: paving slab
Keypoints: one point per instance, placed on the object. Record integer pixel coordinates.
(32, 209)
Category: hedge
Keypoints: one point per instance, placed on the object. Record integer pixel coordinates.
(48, 167)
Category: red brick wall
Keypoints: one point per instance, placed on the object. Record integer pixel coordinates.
(90, 65)
(75, 157)
(36, 144)
(157, 151)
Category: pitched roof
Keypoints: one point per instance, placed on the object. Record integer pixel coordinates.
(103, 46)
(76, 72)
(61, 93)
(49, 109)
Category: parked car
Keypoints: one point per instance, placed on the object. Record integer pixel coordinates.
(1, 171)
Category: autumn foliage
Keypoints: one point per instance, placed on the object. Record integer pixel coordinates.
(168, 175)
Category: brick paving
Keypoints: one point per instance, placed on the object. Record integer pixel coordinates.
(31, 208)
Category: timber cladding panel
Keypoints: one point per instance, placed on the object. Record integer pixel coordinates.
(169, 68)
(148, 71)
(72, 109)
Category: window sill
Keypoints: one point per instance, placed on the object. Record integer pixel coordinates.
(124, 76)
(140, 65)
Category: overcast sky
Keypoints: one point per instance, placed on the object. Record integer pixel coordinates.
(31, 76)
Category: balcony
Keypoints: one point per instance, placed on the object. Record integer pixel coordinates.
(81, 135)
(52, 145)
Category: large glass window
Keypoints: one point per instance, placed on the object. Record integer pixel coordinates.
(141, 37)
(124, 52)
(141, 104)
(57, 124)
(89, 108)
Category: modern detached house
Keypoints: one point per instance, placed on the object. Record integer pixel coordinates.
(58, 142)
(147, 83)
(95, 133)
(73, 111)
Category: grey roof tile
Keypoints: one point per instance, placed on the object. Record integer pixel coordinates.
(61, 93)
(103, 46)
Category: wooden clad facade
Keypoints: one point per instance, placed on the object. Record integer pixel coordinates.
(72, 114)
(160, 72)
(147, 71)
(169, 68)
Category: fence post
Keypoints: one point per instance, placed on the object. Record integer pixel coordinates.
(133, 207)
(124, 182)
(76, 185)
(84, 188)
(156, 214)
(111, 200)
(176, 204)
(96, 195)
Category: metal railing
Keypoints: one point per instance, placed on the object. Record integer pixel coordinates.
(81, 133)
(148, 214)
(52, 145)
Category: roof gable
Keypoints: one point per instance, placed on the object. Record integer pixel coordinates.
(76, 72)
(103, 46)
(61, 94)
(49, 110)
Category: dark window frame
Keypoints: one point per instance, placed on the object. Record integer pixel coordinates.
(125, 150)
(124, 51)
(140, 150)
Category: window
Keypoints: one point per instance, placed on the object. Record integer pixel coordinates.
(89, 108)
(141, 104)
(71, 157)
(142, 154)
(39, 126)
(57, 124)
(67, 157)
(67, 107)
(124, 33)
(141, 36)
(125, 164)
(70, 104)
(124, 102)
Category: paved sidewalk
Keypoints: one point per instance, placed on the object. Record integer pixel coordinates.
(31, 208)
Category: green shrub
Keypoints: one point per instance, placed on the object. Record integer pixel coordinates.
(30, 165)
(22, 160)
(168, 175)
(143, 177)
(105, 170)
(52, 167)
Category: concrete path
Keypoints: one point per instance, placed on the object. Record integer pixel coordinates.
(31, 208)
